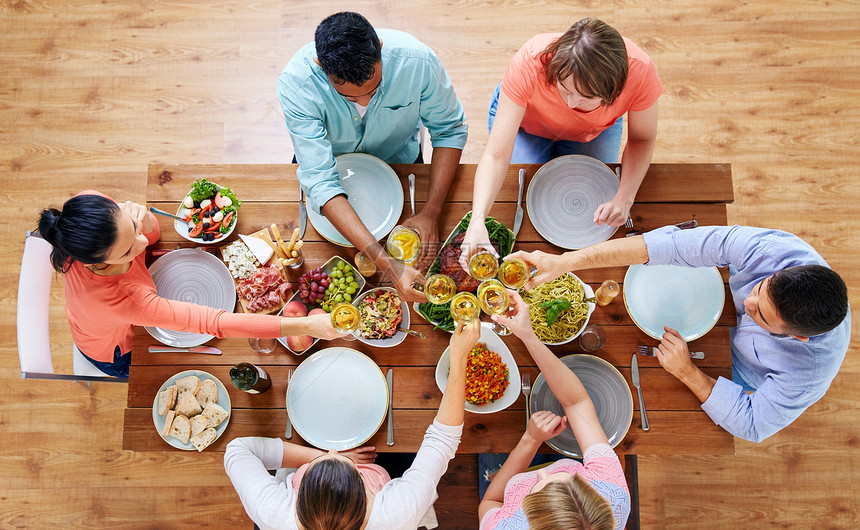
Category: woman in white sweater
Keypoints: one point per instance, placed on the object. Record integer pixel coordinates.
(345, 491)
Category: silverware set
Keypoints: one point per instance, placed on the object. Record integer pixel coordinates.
(527, 389)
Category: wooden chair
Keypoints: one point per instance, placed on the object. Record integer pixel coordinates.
(34, 342)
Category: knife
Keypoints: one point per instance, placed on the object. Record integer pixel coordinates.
(389, 379)
(303, 213)
(197, 349)
(412, 191)
(518, 218)
(634, 372)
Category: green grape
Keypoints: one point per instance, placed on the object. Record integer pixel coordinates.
(347, 297)
(350, 278)
(338, 298)
(347, 268)
(353, 284)
(350, 290)
(336, 273)
(341, 265)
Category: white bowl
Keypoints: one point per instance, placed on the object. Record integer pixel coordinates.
(393, 340)
(589, 293)
(181, 227)
(494, 343)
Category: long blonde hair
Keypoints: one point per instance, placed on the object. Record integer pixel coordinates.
(569, 505)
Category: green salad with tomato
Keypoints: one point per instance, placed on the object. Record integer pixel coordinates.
(211, 210)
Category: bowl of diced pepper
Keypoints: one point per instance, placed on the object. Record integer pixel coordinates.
(211, 213)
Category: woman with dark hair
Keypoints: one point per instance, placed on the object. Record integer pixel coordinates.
(567, 94)
(346, 491)
(99, 248)
(566, 494)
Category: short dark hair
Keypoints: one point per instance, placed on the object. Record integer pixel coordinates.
(85, 230)
(347, 48)
(811, 299)
(331, 497)
(594, 53)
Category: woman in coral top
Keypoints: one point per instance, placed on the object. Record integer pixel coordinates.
(567, 94)
(565, 494)
(99, 247)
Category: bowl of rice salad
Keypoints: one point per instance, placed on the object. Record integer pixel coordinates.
(492, 376)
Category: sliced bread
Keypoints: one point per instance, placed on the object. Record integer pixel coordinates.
(204, 439)
(168, 422)
(181, 428)
(207, 392)
(199, 423)
(188, 383)
(215, 414)
(167, 399)
(187, 405)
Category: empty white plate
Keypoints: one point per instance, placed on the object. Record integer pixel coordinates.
(688, 299)
(337, 399)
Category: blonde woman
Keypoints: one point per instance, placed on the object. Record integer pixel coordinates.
(566, 494)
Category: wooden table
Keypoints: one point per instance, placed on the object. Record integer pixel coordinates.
(671, 193)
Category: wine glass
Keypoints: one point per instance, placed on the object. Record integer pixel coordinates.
(439, 288)
(403, 244)
(514, 273)
(483, 265)
(465, 308)
(493, 299)
(345, 318)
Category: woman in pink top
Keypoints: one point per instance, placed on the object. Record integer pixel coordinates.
(99, 247)
(565, 494)
(566, 94)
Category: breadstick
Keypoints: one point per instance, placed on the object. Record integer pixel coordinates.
(278, 252)
(293, 239)
(299, 245)
(281, 244)
(295, 254)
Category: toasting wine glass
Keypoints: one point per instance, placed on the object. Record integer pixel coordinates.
(493, 298)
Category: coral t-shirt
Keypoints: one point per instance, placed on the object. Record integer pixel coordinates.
(548, 116)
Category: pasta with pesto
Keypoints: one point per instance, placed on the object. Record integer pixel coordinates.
(570, 321)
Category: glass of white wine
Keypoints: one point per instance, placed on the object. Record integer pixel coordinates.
(345, 318)
(493, 298)
(483, 266)
(514, 273)
(465, 308)
(403, 244)
(439, 288)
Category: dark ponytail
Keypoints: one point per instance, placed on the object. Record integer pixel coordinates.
(85, 230)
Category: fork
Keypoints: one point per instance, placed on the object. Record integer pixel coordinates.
(651, 351)
(289, 432)
(629, 222)
(527, 389)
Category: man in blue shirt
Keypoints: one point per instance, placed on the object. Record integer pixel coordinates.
(793, 320)
(354, 90)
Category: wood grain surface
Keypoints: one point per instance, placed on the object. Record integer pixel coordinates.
(92, 93)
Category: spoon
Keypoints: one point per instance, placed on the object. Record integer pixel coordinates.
(156, 211)
(413, 332)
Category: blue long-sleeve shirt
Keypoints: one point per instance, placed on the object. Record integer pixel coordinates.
(789, 375)
(415, 89)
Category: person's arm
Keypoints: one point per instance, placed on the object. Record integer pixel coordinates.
(343, 217)
(542, 426)
(490, 175)
(453, 404)
(443, 167)
(246, 462)
(612, 253)
(641, 137)
(674, 357)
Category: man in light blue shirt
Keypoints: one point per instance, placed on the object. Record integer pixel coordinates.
(355, 90)
(793, 326)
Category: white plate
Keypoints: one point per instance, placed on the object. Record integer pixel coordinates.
(395, 339)
(374, 191)
(562, 198)
(689, 299)
(181, 227)
(195, 276)
(337, 399)
(223, 401)
(589, 293)
(607, 389)
(496, 344)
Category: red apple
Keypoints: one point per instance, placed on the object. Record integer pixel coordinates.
(295, 309)
(316, 311)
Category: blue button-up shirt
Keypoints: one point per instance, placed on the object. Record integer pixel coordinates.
(415, 89)
(789, 375)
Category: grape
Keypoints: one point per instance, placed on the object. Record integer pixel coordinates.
(311, 286)
(350, 290)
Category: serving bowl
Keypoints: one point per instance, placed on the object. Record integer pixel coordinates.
(393, 340)
(589, 293)
(182, 228)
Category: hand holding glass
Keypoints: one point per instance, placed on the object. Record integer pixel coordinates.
(345, 318)
(465, 308)
(439, 288)
(514, 273)
(493, 298)
(483, 266)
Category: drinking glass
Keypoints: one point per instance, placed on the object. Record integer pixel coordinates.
(439, 288)
(263, 345)
(592, 338)
(465, 308)
(403, 244)
(345, 318)
(483, 265)
(493, 298)
(514, 273)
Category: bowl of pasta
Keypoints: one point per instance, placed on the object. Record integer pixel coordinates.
(560, 309)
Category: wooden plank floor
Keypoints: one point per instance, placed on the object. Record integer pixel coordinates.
(91, 93)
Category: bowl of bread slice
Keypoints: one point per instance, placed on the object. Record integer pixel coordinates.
(191, 410)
